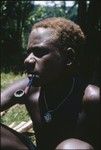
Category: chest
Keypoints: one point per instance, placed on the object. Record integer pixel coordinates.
(61, 126)
(65, 111)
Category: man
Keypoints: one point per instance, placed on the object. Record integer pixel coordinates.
(55, 100)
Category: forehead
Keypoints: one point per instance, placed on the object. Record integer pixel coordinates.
(42, 36)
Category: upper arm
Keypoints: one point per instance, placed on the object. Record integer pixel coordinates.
(7, 95)
(92, 93)
(91, 99)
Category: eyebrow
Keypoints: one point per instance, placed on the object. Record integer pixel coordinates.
(38, 48)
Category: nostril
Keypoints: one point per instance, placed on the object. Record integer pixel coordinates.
(29, 65)
(31, 60)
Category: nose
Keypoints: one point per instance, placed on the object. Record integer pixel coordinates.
(30, 62)
(30, 59)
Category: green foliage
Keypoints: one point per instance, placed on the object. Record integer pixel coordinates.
(8, 78)
(40, 12)
(13, 18)
(15, 114)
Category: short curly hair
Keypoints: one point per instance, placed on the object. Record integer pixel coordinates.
(68, 33)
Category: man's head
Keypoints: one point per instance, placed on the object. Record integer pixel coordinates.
(53, 45)
(66, 32)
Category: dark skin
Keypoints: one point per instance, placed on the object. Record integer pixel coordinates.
(55, 78)
(8, 135)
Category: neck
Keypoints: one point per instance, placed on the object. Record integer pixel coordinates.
(57, 91)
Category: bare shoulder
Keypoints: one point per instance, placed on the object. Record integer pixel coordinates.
(91, 94)
(91, 100)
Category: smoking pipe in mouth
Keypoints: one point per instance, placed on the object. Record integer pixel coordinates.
(20, 93)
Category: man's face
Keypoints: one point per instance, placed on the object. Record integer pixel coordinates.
(43, 57)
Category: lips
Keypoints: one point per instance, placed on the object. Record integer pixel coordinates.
(30, 74)
(36, 78)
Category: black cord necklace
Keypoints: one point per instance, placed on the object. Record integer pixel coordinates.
(48, 114)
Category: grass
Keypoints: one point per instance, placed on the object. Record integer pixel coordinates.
(8, 78)
(16, 113)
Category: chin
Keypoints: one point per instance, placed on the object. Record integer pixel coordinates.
(37, 84)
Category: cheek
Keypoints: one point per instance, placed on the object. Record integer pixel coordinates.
(53, 64)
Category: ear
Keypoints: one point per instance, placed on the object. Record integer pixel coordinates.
(70, 56)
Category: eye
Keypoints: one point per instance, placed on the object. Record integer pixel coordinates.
(40, 52)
